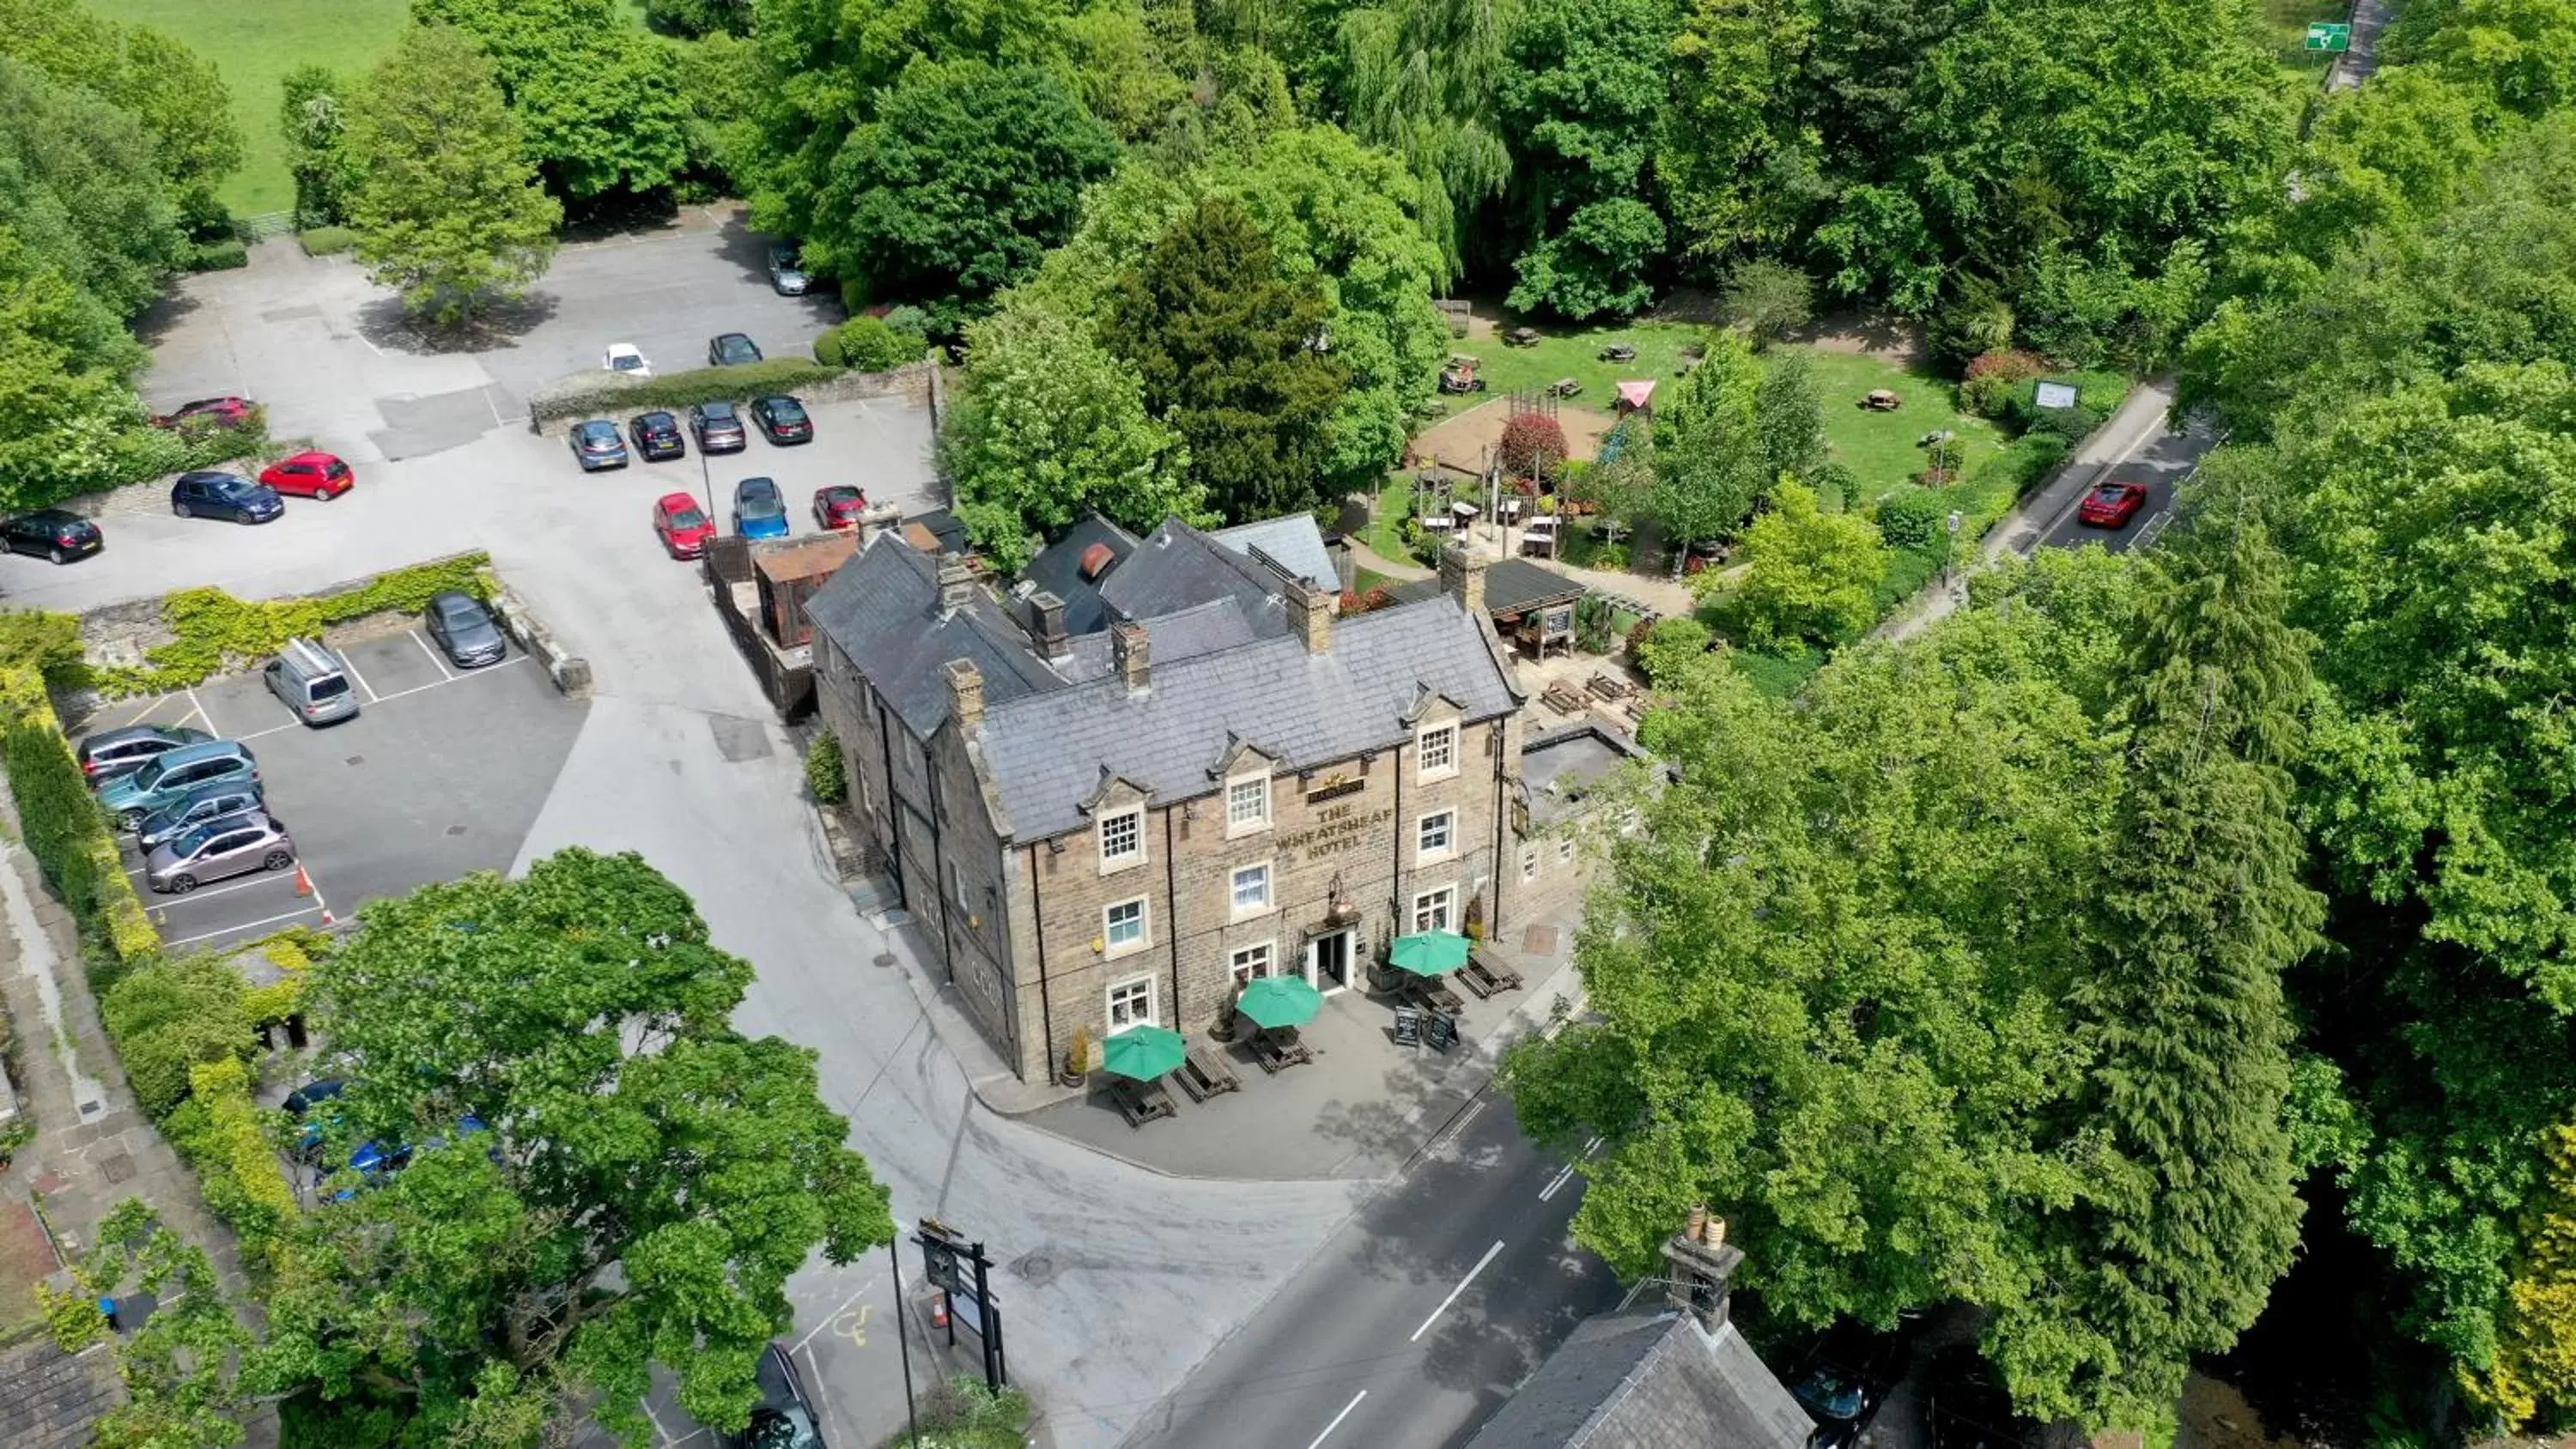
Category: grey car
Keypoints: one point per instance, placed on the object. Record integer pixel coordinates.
(111, 755)
(242, 845)
(787, 272)
(465, 629)
(211, 802)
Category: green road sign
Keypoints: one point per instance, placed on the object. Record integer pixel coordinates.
(2323, 36)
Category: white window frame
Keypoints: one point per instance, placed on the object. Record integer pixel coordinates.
(1450, 736)
(1423, 849)
(1134, 815)
(1237, 823)
(1110, 945)
(1445, 918)
(1264, 962)
(1234, 890)
(1565, 849)
(1126, 989)
(1529, 862)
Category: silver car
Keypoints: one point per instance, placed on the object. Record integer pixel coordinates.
(242, 845)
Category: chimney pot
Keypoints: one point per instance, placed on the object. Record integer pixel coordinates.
(1696, 1272)
(956, 583)
(1046, 626)
(1132, 650)
(1311, 610)
(1462, 572)
(965, 693)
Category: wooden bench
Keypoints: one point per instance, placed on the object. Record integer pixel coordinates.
(1608, 688)
(1431, 995)
(1278, 1046)
(1141, 1102)
(1483, 977)
(1564, 698)
(1203, 1074)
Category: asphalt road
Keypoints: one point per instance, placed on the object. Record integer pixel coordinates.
(2161, 461)
(1417, 1319)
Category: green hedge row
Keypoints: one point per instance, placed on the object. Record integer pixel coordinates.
(221, 1132)
(169, 1017)
(327, 241)
(215, 630)
(680, 389)
(64, 829)
(218, 256)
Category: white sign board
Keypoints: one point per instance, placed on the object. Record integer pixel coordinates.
(2056, 395)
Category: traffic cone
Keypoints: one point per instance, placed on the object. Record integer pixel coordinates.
(303, 882)
(939, 1312)
(326, 915)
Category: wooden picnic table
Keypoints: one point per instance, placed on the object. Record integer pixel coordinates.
(1483, 976)
(1435, 996)
(1203, 1074)
(1275, 1047)
(1141, 1102)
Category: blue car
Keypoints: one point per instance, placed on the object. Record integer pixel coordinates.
(372, 1160)
(176, 773)
(597, 445)
(225, 495)
(759, 509)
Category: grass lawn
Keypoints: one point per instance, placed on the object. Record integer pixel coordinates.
(2285, 24)
(1575, 353)
(1880, 448)
(254, 43)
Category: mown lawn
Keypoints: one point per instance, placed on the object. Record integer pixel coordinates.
(1883, 449)
(1575, 353)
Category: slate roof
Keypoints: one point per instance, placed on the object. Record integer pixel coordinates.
(944, 526)
(1648, 1378)
(1176, 567)
(1294, 542)
(1511, 586)
(1219, 624)
(882, 610)
(1045, 752)
(1058, 570)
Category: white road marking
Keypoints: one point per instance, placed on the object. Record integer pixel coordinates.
(439, 664)
(1453, 1296)
(1567, 1175)
(209, 892)
(351, 665)
(197, 709)
(458, 679)
(864, 1290)
(244, 926)
(1458, 1128)
(1338, 1418)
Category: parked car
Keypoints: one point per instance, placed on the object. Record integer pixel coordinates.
(225, 495)
(465, 629)
(57, 533)
(785, 1417)
(314, 1106)
(314, 1093)
(207, 412)
(623, 359)
(243, 845)
(787, 271)
(758, 510)
(1843, 1378)
(372, 1159)
(312, 681)
(1967, 1404)
(839, 505)
(310, 475)
(731, 349)
(174, 773)
(111, 755)
(657, 436)
(682, 525)
(782, 420)
(2112, 504)
(206, 802)
(719, 428)
(596, 445)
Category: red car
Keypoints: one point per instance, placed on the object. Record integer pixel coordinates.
(310, 475)
(839, 506)
(207, 412)
(2112, 504)
(683, 525)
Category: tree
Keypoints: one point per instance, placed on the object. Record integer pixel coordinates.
(1708, 454)
(1788, 418)
(1049, 427)
(693, 18)
(1583, 90)
(968, 175)
(644, 1182)
(1766, 299)
(2190, 1210)
(598, 104)
(1734, 153)
(1422, 79)
(313, 118)
(79, 186)
(174, 94)
(1810, 574)
(450, 211)
(1533, 447)
(178, 1367)
(1226, 347)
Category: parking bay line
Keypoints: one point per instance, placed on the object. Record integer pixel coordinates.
(244, 926)
(435, 662)
(1338, 1418)
(458, 679)
(210, 892)
(351, 666)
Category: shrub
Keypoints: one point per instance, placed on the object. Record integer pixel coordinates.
(1910, 517)
(168, 1017)
(219, 1130)
(221, 255)
(215, 630)
(680, 389)
(827, 347)
(826, 773)
(2097, 395)
(71, 1316)
(869, 344)
(1533, 446)
(910, 321)
(1992, 378)
(327, 241)
(1667, 644)
(61, 822)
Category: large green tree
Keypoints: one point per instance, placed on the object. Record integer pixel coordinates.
(450, 211)
(1423, 79)
(598, 103)
(1709, 468)
(79, 187)
(1583, 92)
(1809, 574)
(174, 94)
(313, 120)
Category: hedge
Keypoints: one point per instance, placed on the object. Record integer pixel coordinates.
(218, 1129)
(327, 241)
(168, 1018)
(216, 630)
(680, 389)
(64, 830)
(219, 256)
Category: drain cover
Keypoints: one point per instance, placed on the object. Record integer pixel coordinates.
(1035, 1269)
(885, 958)
(456, 830)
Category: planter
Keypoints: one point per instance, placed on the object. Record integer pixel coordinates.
(1074, 1079)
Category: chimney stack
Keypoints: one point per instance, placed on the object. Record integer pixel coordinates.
(956, 582)
(1311, 610)
(1697, 1265)
(1131, 649)
(1462, 572)
(1046, 626)
(965, 692)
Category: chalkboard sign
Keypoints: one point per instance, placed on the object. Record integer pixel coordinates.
(1408, 1026)
(1444, 1030)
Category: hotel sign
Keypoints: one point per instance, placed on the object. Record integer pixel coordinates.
(1333, 787)
(1337, 829)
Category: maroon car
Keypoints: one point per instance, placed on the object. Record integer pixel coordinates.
(839, 506)
(207, 412)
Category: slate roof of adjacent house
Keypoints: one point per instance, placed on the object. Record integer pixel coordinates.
(1058, 570)
(1177, 567)
(1648, 1379)
(1293, 542)
(1045, 753)
(1512, 586)
(882, 611)
(945, 527)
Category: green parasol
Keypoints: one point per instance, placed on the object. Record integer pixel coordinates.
(1432, 953)
(1280, 1001)
(1143, 1052)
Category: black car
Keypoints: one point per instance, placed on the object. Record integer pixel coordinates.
(57, 533)
(312, 1094)
(782, 420)
(657, 436)
(225, 495)
(785, 1417)
(114, 754)
(731, 349)
(1967, 1404)
(1843, 1378)
(719, 428)
(597, 445)
(465, 629)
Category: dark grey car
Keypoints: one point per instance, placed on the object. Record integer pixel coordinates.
(114, 754)
(465, 629)
(213, 802)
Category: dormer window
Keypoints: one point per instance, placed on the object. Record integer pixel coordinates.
(1247, 803)
(1122, 840)
(1436, 746)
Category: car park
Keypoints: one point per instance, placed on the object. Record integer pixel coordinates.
(758, 510)
(2112, 504)
(657, 437)
(785, 1417)
(783, 420)
(205, 803)
(1843, 1378)
(165, 778)
(312, 682)
(787, 272)
(682, 525)
(465, 630)
(242, 845)
(719, 428)
(309, 475)
(56, 533)
(624, 359)
(596, 445)
(838, 505)
(224, 495)
(111, 755)
(731, 349)
(1968, 1407)
(206, 412)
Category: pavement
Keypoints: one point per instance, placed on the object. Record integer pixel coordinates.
(2361, 62)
